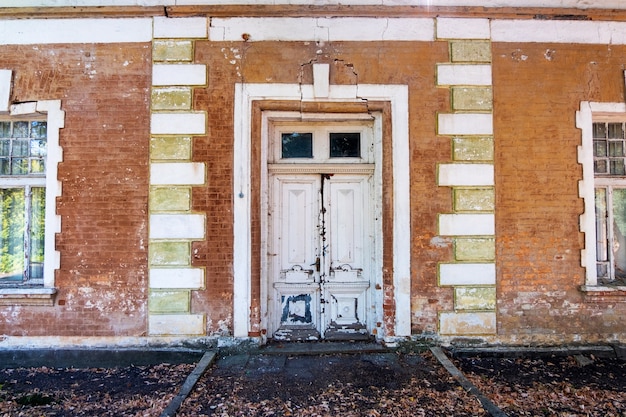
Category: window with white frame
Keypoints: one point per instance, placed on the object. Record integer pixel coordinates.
(609, 168)
(23, 151)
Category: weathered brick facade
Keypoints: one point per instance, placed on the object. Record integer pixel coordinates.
(150, 240)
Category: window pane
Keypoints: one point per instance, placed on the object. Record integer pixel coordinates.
(5, 166)
(599, 148)
(20, 148)
(37, 166)
(599, 130)
(297, 145)
(20, 129)
(38, 129)
(19, 166)
(12, 234)
(617, 167)
(616, 148)
(619, 231)
(600, 166)
(37, 229)
(38, 147)
(5, 129)
(345, 145)
(601, 230)
(616, 131)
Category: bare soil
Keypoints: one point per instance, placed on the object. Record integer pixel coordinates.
(128, 391)
(379, 384)
(551, 386)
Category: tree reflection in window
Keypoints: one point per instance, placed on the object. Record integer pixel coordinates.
(297, 145)
(23, 150)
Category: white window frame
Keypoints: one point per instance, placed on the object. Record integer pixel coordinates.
(589, 113)
(50, 111)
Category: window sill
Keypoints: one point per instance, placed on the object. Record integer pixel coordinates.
(27, 296)
(599, 293)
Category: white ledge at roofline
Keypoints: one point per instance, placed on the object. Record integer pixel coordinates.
(577, 4)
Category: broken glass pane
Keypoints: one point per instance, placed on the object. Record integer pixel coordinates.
(297, 145)
(345, 145)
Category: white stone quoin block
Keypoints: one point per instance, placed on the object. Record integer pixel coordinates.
(189, 27)
(177, 226)
(177, 173)
(176, 324)
(184, 278)
(466, 224)
(462, 74)
(178, 74)
(465, 124)
(465, 175)
(178, 124)
(463, 28)
(451, 323)
(467, 274)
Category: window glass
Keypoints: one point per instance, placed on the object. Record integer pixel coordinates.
(37, 230)
(345, 145)
(297, 145)
(619, 232)
(12, 230)
(609, 149)
(23, 149)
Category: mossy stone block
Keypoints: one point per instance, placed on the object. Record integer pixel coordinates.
(474, 199)
(172, 51)
(475, 298)
(170, 148)
(470, 51)
(170, 253)
(472, 148)
(474, 249)
(177, 301)
(472, 98)
(171, 98)
(170, 199)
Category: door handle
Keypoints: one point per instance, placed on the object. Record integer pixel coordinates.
(317, 264)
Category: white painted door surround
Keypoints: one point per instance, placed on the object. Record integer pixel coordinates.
(397, 97)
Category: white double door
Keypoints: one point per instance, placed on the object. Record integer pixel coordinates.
(320, 256)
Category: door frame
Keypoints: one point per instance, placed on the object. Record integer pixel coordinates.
(375, 203)
(396, 322)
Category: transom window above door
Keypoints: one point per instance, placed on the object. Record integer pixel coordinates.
(322, 143)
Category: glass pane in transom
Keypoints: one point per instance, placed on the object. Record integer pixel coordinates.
(297, 145)
(345, 145)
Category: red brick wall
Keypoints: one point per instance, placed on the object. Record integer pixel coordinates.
(105, 92)
(537, 90)
(289, 62)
